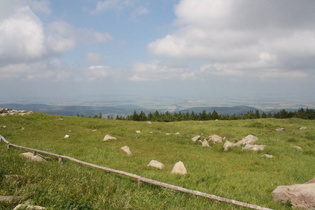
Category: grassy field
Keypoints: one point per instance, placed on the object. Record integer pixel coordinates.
(240, 175)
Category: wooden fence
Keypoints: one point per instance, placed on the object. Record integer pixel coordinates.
(139, 178)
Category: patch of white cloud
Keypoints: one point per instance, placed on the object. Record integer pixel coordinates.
(28, 46)
(97, 72)
(267, 38)
(22, 36)
(159, 70)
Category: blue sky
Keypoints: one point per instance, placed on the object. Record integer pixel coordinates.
(64, 50)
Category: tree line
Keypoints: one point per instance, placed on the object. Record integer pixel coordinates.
(214, 115)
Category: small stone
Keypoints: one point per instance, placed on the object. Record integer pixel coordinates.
(109, 137)
(156, 164)
(196, 138)
(126, 150)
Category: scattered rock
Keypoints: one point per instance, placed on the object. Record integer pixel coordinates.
(22, 128)
(205, 143)
(168, 134)
(94, 130)
(179, 168)
(246, 140)
(3, 126)
(126, 150)
(303, 128)
(267, 156)
(299, 195)
(156, 164)
(66, 136)
(6, 112)
(138, 131)
(31, 156)
(254, 147)
(214, 138)
(177, 133)
(149, 122)
(196, 138)
(297, 147)
(59, 118)
(109, 137)
(279, 129)
(28, 207)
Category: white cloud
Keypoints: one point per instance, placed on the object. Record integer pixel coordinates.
(246, 37)
(158, 70)
(62, 36)
(97, 72)
(22, 36)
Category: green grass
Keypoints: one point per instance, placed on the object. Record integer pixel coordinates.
(240, 175)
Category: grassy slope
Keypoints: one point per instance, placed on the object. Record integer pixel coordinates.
(236, 174)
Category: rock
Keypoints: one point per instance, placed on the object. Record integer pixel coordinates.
(177, 133)
(11, 199)
(28, 207)
(297, 147)
(205, 143)
(196, 138)
(280, 129)
(109, 137)
(228, 145)
(310, 181)
(138, 131)
(246, 140)
(149, 122)
(66, 136)
(179, 168)
(126, 150)
(267, 156)
(31, 156)
(6, 112)
(299, 195)
(303, 128)
(254, 147)
(156, 164)
(214, 138)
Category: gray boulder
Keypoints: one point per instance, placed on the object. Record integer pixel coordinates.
(299, 195)
(32, 157)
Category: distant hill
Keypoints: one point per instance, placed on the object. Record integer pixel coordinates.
(121, 110)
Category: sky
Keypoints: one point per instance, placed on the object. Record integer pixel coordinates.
(60, 50)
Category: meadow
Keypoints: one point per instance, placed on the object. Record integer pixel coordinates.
(240, 175)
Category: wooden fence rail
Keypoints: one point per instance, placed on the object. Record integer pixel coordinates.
(139, 178)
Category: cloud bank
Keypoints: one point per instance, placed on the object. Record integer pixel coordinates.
(269, 38)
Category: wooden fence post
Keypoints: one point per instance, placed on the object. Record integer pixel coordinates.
(60, 160)
(139, 183)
